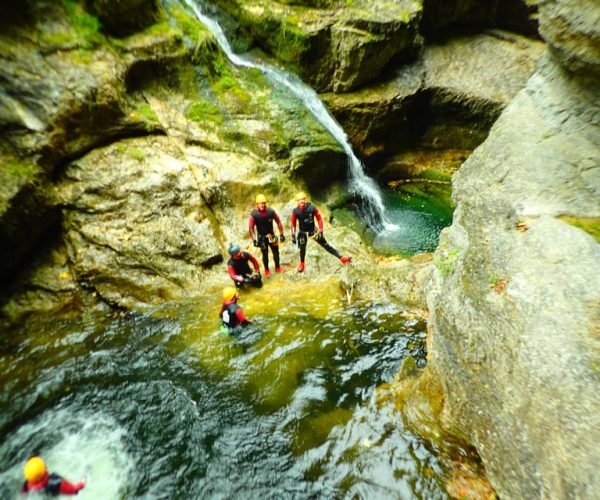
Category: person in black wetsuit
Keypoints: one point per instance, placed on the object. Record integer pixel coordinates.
(232, 316)
(239, 270)
(38, 479)
(305, 214)
(264, 237)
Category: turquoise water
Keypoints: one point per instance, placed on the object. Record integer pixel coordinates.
(419, 211)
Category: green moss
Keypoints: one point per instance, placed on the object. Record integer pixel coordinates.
(21, 169)
(162, 29)
(202, 111)
(146, 111)
(137, 154)
(444, 261)
(85, 25)
(590, 225)
(291, 41)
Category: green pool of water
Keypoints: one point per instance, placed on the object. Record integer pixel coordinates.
(164, 405)
(417, 210)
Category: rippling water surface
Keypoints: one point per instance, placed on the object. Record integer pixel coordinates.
(164, 405)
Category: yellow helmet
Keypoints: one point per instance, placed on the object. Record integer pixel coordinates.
(34, 469)
(301, 196)
(261, 198)
(229, 293)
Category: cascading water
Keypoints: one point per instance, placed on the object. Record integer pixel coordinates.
(361, 185)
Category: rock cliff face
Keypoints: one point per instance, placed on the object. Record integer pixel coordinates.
(515, 298)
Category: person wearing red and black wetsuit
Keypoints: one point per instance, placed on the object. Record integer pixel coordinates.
(305, 214)
(232, 316)
(239, 269)
(262, 219)
(37, 479)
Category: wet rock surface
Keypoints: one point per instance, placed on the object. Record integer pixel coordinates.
(514, 301)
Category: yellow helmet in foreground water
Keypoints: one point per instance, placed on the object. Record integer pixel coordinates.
(34, 469)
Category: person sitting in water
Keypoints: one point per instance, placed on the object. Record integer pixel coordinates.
(232, 316)
(306, 213)
(37, 479)
(239, 269)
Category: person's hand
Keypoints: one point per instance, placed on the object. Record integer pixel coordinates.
(294, 239)
(255, 243)
(281, 238)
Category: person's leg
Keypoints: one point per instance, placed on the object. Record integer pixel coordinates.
(275, 250)
(264, 250)
(302, 240)
(323, 242)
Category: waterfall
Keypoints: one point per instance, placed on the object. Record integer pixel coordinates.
(361, 185)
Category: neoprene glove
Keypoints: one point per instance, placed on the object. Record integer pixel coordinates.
(294, 239)
(281, 238)
(255, 243)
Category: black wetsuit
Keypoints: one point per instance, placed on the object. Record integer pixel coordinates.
(266, 234)
(306, 226)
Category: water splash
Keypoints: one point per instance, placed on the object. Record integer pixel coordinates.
(361, 185)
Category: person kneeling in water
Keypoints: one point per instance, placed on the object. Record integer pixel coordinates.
(239, 269)
(37, 479)
(232, 316)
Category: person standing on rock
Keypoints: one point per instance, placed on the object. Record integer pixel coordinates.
(38, 479)
(232, 316)
(239, 270)
(306, 213)
(260, 226)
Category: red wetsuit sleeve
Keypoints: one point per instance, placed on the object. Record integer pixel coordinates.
(293, 223)
(279, 224)
(67, 488)
(240, 315)
(254, 262)
(319, 219)
(232, 274)
(251, 224)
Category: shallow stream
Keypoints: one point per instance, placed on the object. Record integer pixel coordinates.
(164, 405)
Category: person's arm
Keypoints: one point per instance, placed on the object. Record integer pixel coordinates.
(67, 488)
(254, 262)
(241, 317)
(319, 219)
(279, 224)
(233, 276)
(293, 224)
(251, 224)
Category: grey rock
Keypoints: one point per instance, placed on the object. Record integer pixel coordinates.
(514, 299)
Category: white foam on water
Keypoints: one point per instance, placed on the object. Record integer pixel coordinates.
(83, 446)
